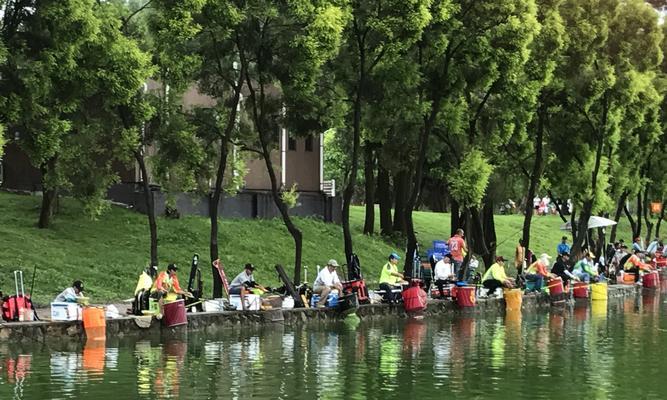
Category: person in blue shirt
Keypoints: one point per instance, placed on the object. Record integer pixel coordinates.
(563, 247)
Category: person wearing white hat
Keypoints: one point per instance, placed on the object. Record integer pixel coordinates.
(537, 272)
(326, 281)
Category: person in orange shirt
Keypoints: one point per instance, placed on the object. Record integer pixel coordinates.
(537, 272)
(457, 248)
(635, 264)
(166, 283)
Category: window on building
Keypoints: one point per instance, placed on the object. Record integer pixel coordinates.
(309, 143)
(291, 144)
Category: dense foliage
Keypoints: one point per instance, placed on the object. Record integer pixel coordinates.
(450, 105)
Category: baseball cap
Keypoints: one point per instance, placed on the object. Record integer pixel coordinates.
(332, 263)
(249, 266)
(172, 267)
(395, 256)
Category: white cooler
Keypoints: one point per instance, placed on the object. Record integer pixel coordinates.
(65, 312)
(214, 305)
(252, 302)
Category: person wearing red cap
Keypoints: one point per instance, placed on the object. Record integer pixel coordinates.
(495, 277)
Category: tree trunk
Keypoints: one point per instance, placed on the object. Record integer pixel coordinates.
(587, 209)
(47, 211)
(214, 200)
(352, 178)
(384, 198)
(454, 217)
(213, 204)
(489, 226)
(647, 219)
(49, 195)
(150, 205)
(416, 183)
(617, 216)
(400, 194)
(639, 215)
(263, 133)
(369, 175)
(559, 207)
(662, 216)
(538, 166)
(633, 224)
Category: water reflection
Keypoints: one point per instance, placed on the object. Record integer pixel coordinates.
(17, 371)
(577, 352)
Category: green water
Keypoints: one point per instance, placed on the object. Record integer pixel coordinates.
(615, 351)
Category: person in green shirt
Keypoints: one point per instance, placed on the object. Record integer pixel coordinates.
(583, 269)
(390, 278)
(495, 277)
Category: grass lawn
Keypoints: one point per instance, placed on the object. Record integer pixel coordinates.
(108, 254)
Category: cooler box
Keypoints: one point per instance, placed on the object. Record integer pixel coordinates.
(215, 305)
(65, 312)
(288, 303)
(252, 302)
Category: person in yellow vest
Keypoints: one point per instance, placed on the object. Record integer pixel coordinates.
(143, 289)
(166, 285)
(390, 278)
(635, 265)
(495, 277)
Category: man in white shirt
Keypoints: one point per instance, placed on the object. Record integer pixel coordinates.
(243, 281)
(443, 274)
(71, 294)
(326, 281)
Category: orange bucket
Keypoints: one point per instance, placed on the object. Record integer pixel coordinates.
(629, 278)
(651, 280)
(513, 299)
(555, 286)
(465, 296)
(580, 290)
(94, 322)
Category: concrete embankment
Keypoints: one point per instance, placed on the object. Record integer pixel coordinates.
(41, 331)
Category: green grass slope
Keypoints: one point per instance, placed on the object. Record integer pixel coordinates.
(108, 254)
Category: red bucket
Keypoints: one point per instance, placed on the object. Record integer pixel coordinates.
(465, 296)
(555, 286)
(174, 314)
(651, 280)
(580, 290)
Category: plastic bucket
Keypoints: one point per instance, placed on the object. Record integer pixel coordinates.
(513, 299)
(94, 323)
(599, 291)
(465, 296)
(555, 286)
(580, 290)
(629, 278)
(651, 280)
(174, 314)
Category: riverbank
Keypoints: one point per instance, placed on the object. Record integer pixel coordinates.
(109, 253)
(213, 322)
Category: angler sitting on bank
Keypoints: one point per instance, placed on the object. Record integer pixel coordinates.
(245, 281)
(583, 269)
(71, 294)
(390, 278)
(537, 272)
(166, 285)
(444, 274)
(143, 290)
(634, 264)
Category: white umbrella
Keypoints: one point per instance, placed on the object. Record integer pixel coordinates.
(593, 222)
(599, 222)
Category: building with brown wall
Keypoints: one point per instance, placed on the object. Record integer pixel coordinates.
(297, 161)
